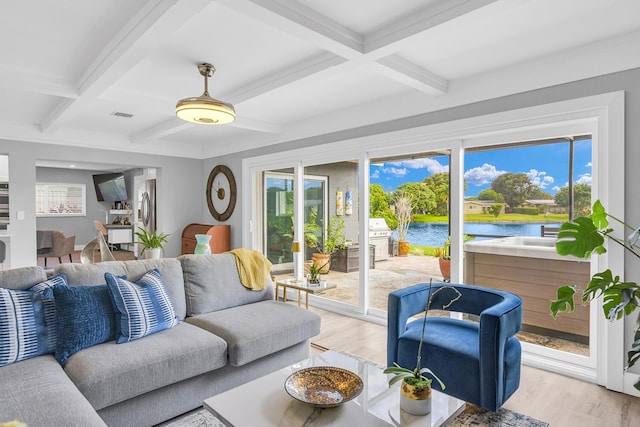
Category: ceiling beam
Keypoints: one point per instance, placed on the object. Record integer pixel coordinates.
(155, 23)
(28, 81)
(404, 71)
(302, 22)
(391, 37)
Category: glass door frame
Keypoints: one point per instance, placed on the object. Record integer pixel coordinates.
(601, 115)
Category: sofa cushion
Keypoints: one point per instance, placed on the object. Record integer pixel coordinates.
(85, 318)
(256, 330)
(93, 274)
(212, 283)
(142, 307)
(39, 393)
(110, 373)
(22, 278)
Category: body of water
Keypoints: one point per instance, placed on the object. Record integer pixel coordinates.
(435, 234)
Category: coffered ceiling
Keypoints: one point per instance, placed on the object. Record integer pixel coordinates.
(72, 71)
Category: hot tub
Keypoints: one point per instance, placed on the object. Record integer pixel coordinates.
(531, 268)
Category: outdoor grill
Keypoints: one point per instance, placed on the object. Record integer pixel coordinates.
(379, 234)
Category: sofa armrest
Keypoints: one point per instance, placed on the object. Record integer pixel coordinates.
(402, 304)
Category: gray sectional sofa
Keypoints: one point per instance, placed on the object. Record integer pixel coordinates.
(226, 335)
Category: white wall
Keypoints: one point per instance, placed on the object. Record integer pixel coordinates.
(180, 190)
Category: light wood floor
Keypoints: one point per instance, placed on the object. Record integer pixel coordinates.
(561, 401)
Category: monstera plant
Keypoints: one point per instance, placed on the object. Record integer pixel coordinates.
(584, 237)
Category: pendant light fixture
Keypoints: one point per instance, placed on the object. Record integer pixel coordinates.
(204, 109)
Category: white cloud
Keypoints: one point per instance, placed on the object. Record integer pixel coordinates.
(589, 165)
(431, 165)
(398, 172)
(482, 175)
(585, 178)
(375, 174)
(540, 178)
(556, 188)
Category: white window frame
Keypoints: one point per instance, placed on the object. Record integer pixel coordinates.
(600, 115)
(46, 186)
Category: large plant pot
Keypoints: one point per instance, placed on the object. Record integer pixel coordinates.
(403, 248)
(445, 268)
(322, 260)
(415, 400)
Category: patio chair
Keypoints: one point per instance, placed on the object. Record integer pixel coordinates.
(478, 362)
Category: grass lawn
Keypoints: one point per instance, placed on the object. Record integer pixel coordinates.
(491, 218)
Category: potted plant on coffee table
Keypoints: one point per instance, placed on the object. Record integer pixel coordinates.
(152, 242)
(415, 390)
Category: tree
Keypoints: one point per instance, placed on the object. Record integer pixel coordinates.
(439, 184)
(581, 198)
(514, 187)
(536, 193)
(422, 197)
(496, 209)
(379, 206)
(490, 194)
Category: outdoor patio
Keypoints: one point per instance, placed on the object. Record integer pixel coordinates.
(400, 272)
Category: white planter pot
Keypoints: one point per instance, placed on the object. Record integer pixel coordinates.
(409, 401)
(152, 253)
(415, 407)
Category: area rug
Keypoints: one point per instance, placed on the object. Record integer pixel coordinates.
(503, 418)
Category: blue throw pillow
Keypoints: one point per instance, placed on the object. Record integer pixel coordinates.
(142, 307)
(28, 321)
(85, 318)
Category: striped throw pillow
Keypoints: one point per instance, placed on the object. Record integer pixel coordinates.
(142, 307)
(28, 324)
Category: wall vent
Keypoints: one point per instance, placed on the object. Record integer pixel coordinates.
(121, 114)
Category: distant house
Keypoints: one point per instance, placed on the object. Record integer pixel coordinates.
(545, 206)
(480, 206)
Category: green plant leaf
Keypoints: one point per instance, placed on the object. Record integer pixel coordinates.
(565, 300)
(429, 371)
(599, 216)
(580, 238)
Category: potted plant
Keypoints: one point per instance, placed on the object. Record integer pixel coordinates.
(153, 241)
(415, 390)
(444, 259)
(334, 240)
(584, 237)
(314, 273)
(404, 213)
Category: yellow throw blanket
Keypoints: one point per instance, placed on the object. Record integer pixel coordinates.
(253, 268)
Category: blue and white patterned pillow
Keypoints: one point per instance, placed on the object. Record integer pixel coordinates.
(28, 321)
(46, 289)
(142, 307)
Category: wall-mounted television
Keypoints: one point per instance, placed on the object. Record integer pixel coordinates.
(110, 187)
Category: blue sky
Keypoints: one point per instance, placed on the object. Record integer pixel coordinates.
(546, 165)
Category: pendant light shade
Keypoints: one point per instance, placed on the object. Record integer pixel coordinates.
(204, 109)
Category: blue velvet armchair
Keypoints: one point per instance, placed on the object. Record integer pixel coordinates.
(478, 362)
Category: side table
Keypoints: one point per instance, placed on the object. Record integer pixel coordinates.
(302, 286)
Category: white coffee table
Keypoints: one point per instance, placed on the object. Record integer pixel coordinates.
(264, 401)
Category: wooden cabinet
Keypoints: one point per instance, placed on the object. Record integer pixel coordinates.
(220, 237)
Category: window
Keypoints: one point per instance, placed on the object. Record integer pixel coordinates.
(55, 199)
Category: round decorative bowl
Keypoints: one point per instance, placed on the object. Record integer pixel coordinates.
(323, 386)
